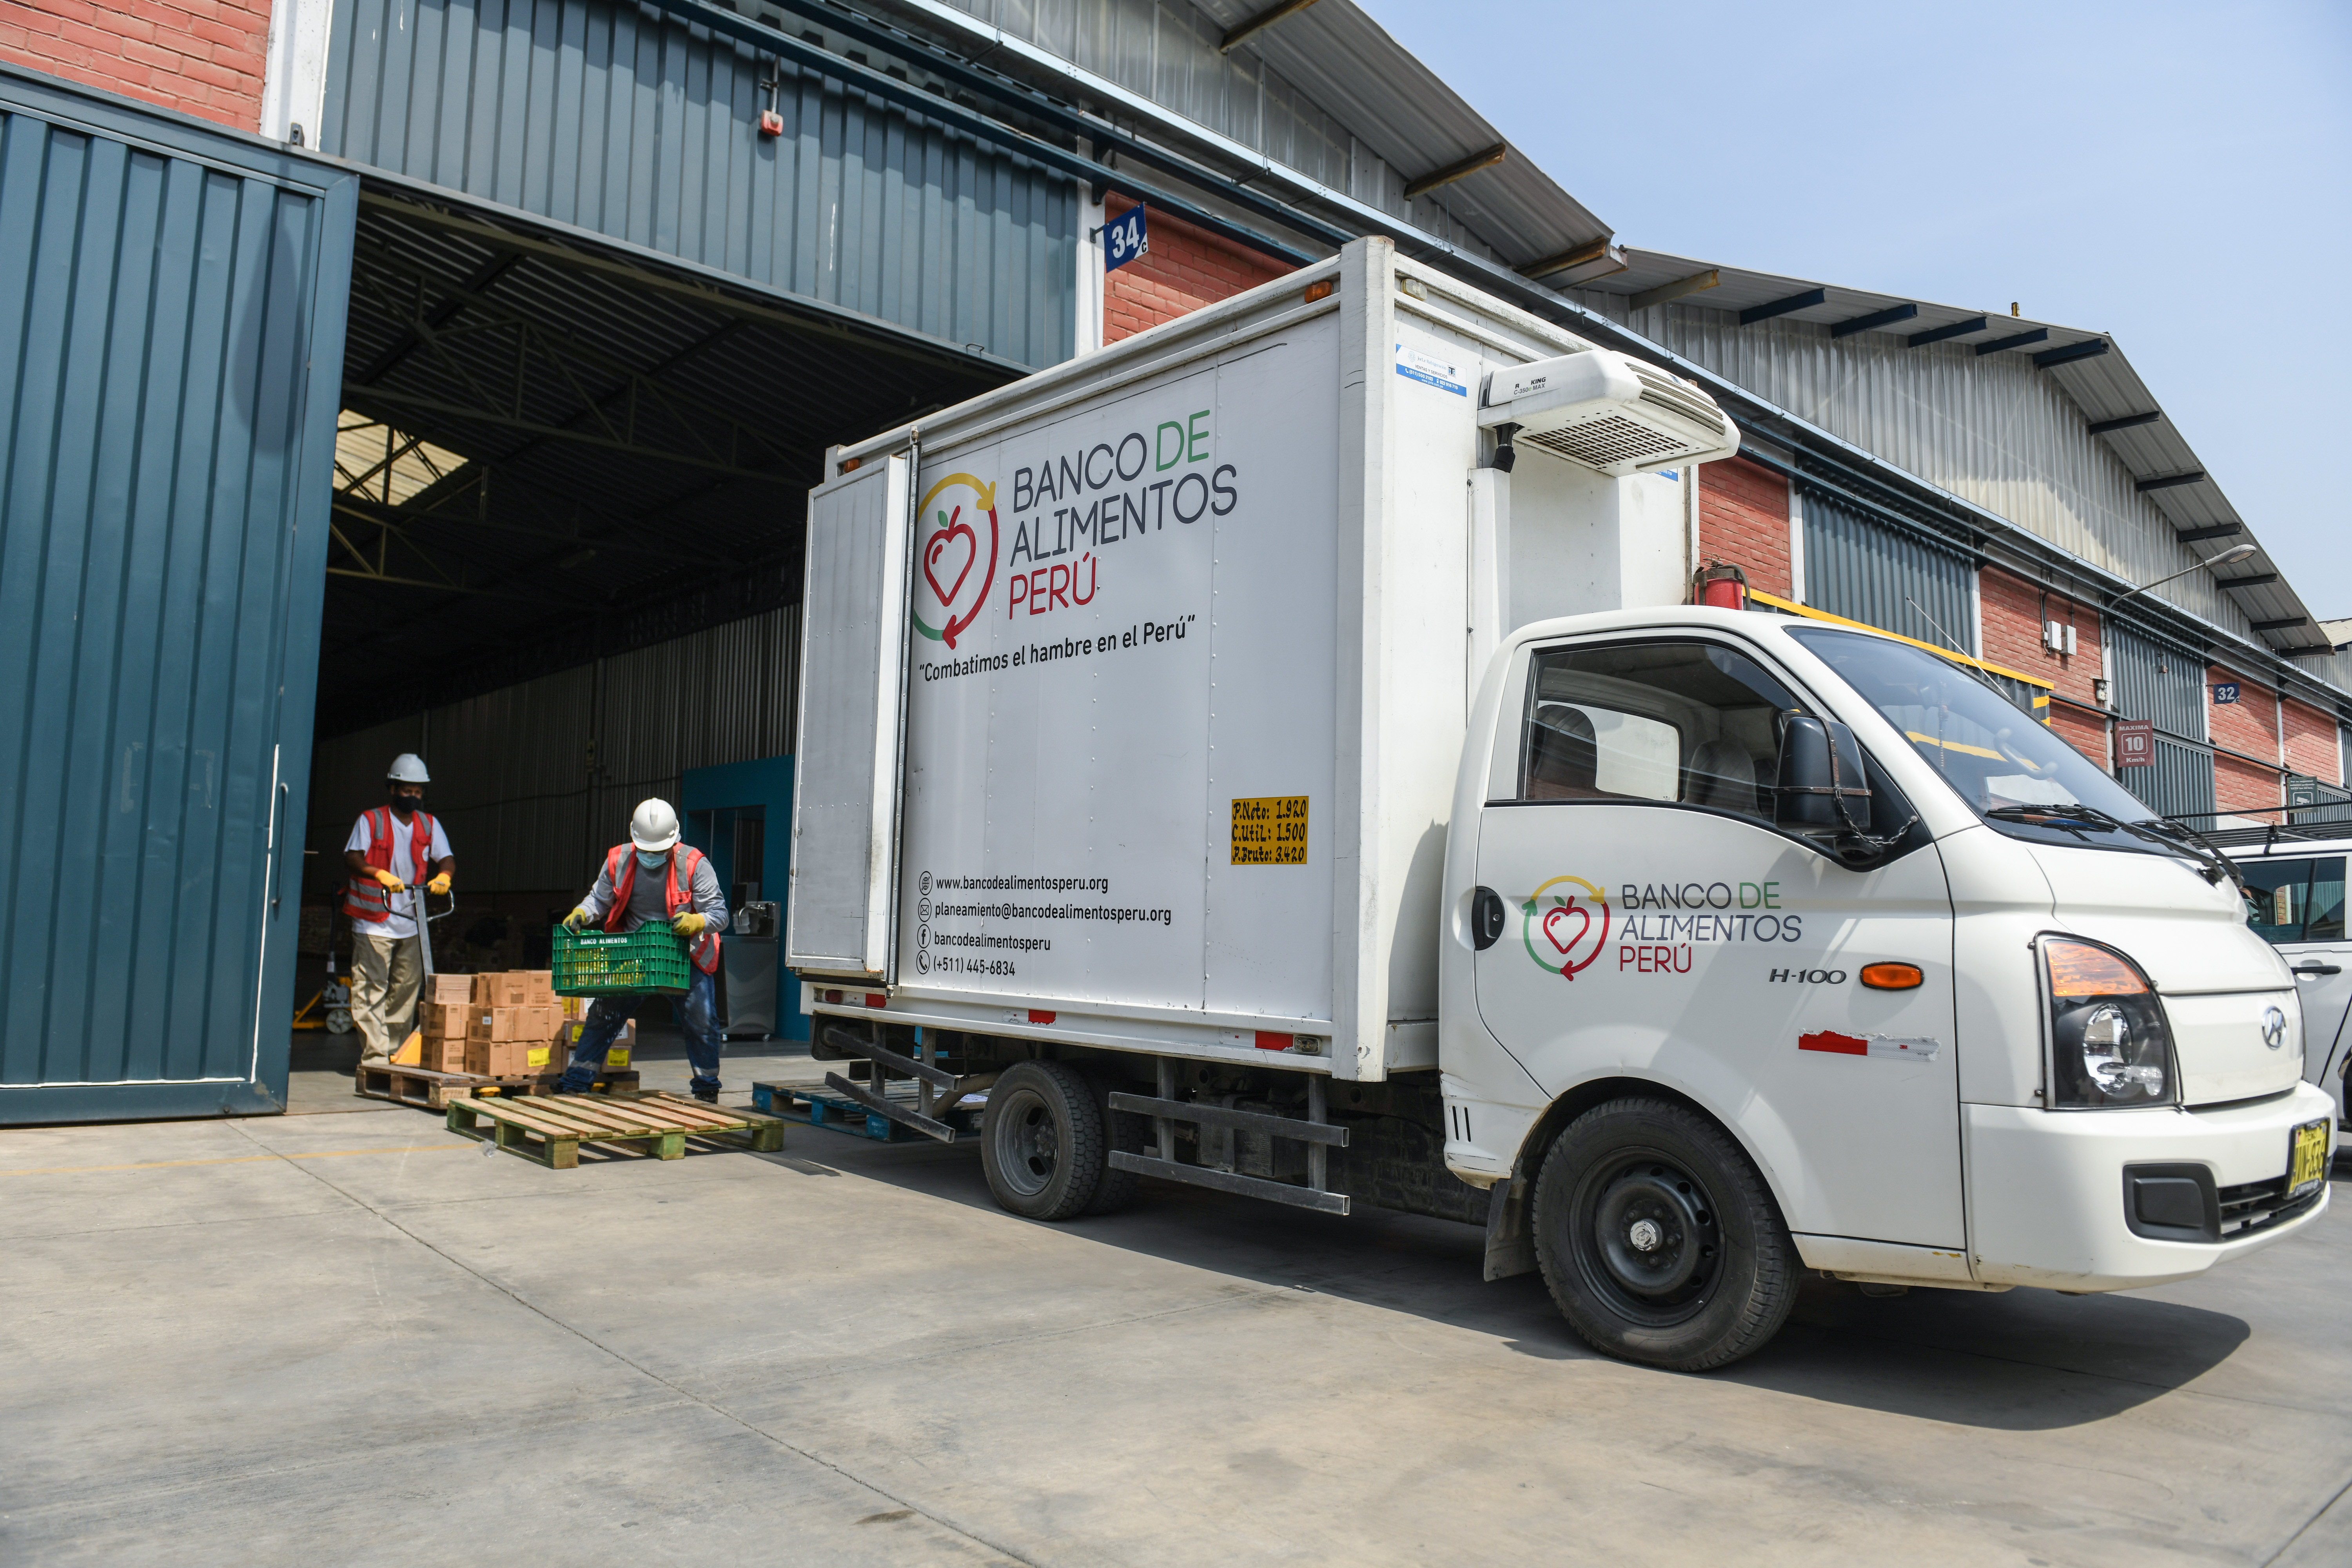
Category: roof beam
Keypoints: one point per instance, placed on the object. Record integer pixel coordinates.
(1875, 320)
(2014, 340)
(1241, 33)
(1950, 329)
(2218, 530)
(2129, 422)
(1590, 250)
(1697, 283)
(2251, 580)
(360, 396)
(2170, 481)
(2067, 353)
(2285, 623)
(1453, 172)
(1804, 302)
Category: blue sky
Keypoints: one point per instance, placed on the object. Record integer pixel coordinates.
(2178, 176)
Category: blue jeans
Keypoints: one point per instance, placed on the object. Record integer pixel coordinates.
(697, 1013)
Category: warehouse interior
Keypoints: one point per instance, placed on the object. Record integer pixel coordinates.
(567, 537)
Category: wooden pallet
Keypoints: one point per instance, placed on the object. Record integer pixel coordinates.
(430, 1090)
(839, 1113)
(550, 1129)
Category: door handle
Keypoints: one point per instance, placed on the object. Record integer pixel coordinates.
(2313, 968)
(1487, 916)
(276, 848)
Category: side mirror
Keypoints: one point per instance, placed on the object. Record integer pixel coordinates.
(1821, 786)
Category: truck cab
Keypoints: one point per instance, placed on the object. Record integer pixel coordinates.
(1780, 944)
(2294, 897)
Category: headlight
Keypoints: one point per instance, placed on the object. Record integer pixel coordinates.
(2108, 1043)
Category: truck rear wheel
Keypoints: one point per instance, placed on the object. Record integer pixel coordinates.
(1041, 1141)
(1659, 1239)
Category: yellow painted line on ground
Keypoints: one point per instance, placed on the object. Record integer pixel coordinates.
(240, 1160)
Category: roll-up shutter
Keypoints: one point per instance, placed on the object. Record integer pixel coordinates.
(2164, 683)
(1876, 571)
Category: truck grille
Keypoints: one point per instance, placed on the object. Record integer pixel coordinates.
(1611, 439)
(2254, 1206)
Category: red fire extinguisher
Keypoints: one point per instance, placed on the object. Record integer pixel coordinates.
(1721, 586)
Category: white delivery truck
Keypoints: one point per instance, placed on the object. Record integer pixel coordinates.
(1278, 752)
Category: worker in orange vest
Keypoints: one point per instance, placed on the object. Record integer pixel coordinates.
(653, 876)
(394, 849)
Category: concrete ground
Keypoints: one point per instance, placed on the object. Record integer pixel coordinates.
(344, 1336)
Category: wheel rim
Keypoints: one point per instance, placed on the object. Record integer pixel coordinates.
(1648, 1238)
(1028, 1142)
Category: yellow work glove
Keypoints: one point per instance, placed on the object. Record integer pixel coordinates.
(579, 919)
(439, 884)
(688, 924)
(392, 884)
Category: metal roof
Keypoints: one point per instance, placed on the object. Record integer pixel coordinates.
(2102, 384)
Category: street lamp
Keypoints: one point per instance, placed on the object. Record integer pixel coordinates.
(2230, 557)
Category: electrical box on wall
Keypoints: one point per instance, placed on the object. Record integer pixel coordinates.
(2058, 636)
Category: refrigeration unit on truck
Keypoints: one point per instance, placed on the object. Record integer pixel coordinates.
(1277, 753)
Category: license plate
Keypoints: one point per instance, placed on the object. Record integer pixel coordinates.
(2306, 1158)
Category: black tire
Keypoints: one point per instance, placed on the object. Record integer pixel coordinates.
(1042, 1141)
(1122, 1130)
(1659, 1238)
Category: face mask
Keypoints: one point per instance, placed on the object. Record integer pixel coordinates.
(652, 859)
(403, 807)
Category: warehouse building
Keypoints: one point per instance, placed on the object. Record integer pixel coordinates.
(422, 375)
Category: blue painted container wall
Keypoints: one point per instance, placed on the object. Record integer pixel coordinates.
(172, 307)
(765, 782)
(644, 128)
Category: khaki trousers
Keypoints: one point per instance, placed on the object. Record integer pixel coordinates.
(386, 974)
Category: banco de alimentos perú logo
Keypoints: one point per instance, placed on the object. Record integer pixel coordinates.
(1565, 925)
(958, 555)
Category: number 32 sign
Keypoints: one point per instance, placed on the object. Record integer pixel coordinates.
(1124, 239)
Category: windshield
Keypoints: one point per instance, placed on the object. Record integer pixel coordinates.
(2016, 772)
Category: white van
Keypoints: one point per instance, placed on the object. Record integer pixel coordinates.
(2294, 895)
(1277, 753)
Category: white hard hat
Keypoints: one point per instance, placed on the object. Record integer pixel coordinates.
(655, 825)
(407, 768)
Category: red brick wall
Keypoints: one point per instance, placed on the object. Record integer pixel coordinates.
(2249, 725)
(2311, 742)
(201, 57)
(1743, 519)
(2013, 610)
(1186, 268)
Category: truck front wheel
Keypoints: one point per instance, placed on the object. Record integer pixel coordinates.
(1042, 1141)
(1659, 1239)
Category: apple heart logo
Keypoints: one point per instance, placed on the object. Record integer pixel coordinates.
(951, 532)
(1557, 918)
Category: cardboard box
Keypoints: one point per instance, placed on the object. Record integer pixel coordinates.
(617, 1055)
(443, 1020)
(503, 1024)
(484, 992)
(502, 1059)
(445, 1052)
(509, 989)
(575, 1006)
(540, 984)
(455, 990)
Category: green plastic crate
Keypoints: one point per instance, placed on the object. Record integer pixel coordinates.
(608, 963)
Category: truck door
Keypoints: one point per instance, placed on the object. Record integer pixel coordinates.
(840, 909)
(1660, 926)
(2298, 908)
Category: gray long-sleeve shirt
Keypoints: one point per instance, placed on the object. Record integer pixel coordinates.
(649, 900)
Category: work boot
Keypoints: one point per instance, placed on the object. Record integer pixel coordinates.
(708, 1096)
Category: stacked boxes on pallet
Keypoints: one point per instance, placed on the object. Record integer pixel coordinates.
(575, 1018)
(512, 1023)
(442, 1015)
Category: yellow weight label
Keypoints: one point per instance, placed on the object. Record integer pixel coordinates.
(617, 1056)
(1270, 830)
(536, 1056)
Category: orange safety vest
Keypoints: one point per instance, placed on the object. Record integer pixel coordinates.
(367, 900)
(621, 871)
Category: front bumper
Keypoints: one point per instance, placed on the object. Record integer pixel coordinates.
(2046, 1189)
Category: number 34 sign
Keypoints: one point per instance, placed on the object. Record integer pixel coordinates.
(1124, 239)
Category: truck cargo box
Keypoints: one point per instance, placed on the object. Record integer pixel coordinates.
(1133, 692)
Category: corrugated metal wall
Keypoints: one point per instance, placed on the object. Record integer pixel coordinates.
(1883, 574)
(1994, 431)
(2164, 683)
(619, 121)
(534, 781)
(172, 306)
